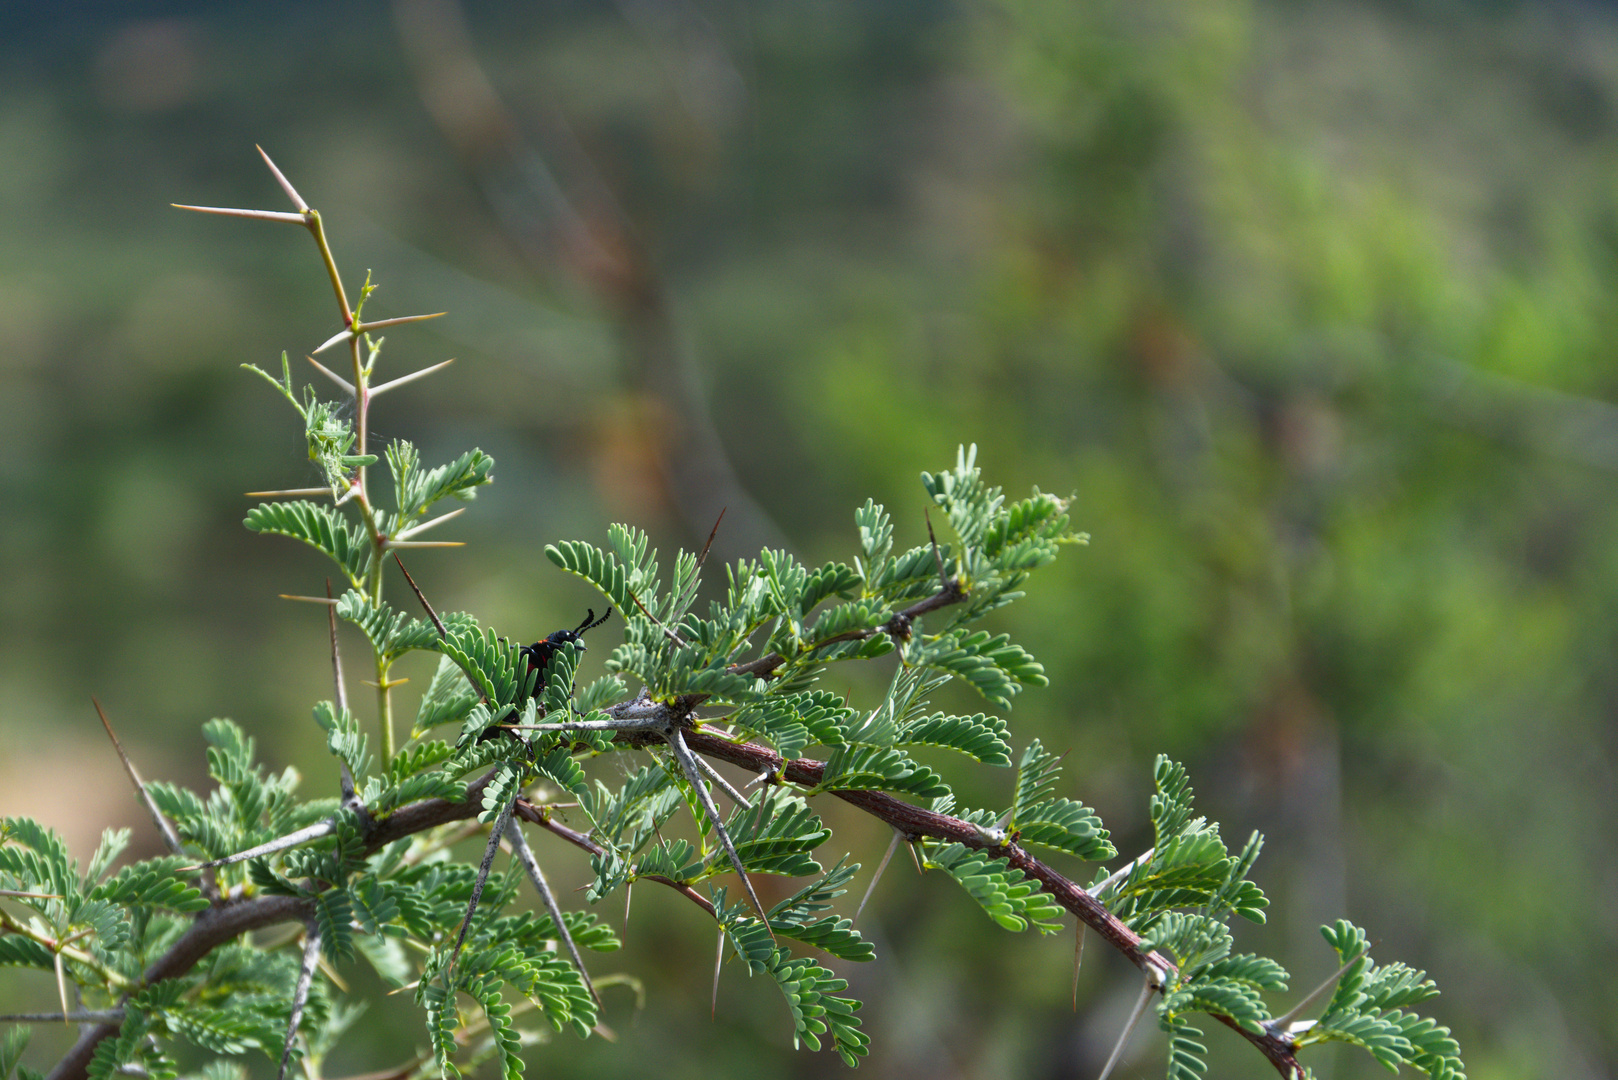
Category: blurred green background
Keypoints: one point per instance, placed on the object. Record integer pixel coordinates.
(1308, 304)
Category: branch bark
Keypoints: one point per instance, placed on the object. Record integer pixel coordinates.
(916, 822)
(232, 918)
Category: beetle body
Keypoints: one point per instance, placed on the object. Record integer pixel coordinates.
(539, 653)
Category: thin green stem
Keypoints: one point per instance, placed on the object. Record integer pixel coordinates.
(61, 948)
(362, 408)
(318, 230)
(384, 705)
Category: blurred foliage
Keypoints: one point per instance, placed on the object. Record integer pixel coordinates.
(1304, 302)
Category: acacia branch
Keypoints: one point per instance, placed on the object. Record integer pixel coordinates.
(218, 925)
(953, 592)
(915, 822)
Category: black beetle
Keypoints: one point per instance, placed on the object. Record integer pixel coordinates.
(539, 653)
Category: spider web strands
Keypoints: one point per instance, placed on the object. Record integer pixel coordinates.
(915, 822)
(346, 776)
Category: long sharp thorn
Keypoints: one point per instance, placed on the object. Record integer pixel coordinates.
(280, 843)
(424, 526)
(347, 777)
(431, 614)
(724, 785)
(390, 544)
(300, 994)
(286, 185)
(629, 890)
(170, 837)
(483, 877)
(685, 598)
(1078, 958)
(13, 894)
(61, 986)
(412, 377)
(347, 386)
(525, 855)
(257, 215)
(1134, 1018)
(893, 845)
(335, 339)
(1280, 1023)
(688, 764)
(943, 579)
(308, 599)
(287, 493)
(718, 959)
(398, 320)
(1121, 873)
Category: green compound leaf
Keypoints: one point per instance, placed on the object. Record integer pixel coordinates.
(334, 911)
(880, 768)
(1037, 772)
(322, 528)
(1364, 1011)
(1067, 826)
(993, 666)
(979, 736)
(599, 568)
(442, 1022)
(415, 491)
(774, 836)
(343, 738)
(1010, 897)
(791, 722)
(810, 991)
(496, 669)
(1187, 1055)
(449, 697)
(151, 883)
(36, 858)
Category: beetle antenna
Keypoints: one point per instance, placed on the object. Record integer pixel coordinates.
(589, 615)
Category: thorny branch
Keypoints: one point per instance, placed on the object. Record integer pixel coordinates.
(642, 722)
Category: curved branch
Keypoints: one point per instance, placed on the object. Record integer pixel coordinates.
(232, 918)
(952, 592)
(915, 821)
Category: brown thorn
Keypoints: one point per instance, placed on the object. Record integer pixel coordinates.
(943, 579)
(431, 614)
(210, 884)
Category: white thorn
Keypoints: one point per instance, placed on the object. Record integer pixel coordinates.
(412, 377)
(424, 526)
(341, 335)
(286, 185)
(893, 845)
(330, 374)
(1134, 1018)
